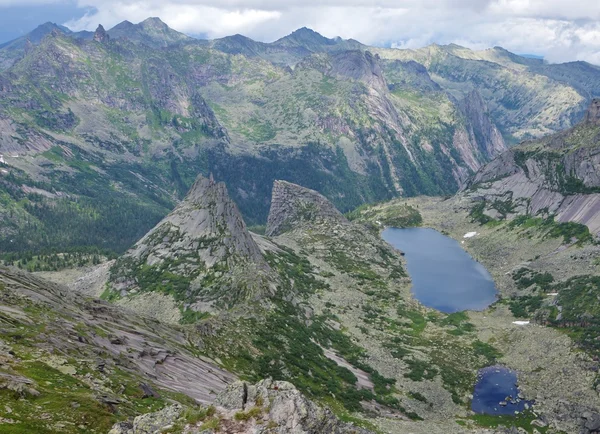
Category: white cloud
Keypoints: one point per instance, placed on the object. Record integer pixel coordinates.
(192, 19)
(558, 29)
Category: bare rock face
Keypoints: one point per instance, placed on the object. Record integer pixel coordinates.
(202, 247)
(558, 175)
(289, 411)
(482, 130)
(100, 35)
(292, 205)
(359, 65)
(206, 223)
(156, 352)
(149, 423)
(593, 113)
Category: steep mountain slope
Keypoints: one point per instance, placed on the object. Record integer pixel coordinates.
(527, 98)
(72, 364)
(75, 364)
(554, 176)
(287, 51)
(201, 254)
(121, 124)
(11, 51)
(326, 280)
(338, 322)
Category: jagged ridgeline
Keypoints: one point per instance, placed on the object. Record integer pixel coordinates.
(200, 254)
(556, 177)
(103, 133)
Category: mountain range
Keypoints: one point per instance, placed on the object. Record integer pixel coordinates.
(111, 127)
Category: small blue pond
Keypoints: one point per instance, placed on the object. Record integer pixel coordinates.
(444, 276)
(496, 392)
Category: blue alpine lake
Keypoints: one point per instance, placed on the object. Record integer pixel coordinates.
(496, 392)
(444, 276)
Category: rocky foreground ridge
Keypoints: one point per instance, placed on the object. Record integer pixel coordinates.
(558, 175)
(268, 407)
(68, 360)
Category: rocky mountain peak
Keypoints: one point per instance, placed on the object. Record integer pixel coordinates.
(593, 112)
(154, 22)
(206, 223)
(100, 35)
(292, 204)
(306, 38)
(202, 250)
(152, 32)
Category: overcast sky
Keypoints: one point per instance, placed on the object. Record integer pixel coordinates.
(560, 30)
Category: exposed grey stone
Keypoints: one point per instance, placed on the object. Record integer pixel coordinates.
(204, 231)
(288, 409)
(100, 35)
(150, 423)
(535, 184)
(292, 204)
(593, 113)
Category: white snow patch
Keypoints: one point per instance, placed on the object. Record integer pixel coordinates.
(469, 234)
(521, 322)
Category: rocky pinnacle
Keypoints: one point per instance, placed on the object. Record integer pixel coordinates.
(206, 224)
(292, 204)
(100, 35)
(593, 113)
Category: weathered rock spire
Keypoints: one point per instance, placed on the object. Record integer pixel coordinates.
(100, 35)
(593, 112)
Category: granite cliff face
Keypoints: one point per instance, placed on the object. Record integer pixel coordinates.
(289, 411)
(593, 114)
(292, 205)
(202, 251)
(69, 360)
(480, 126)
(557, 175)
(206, 223)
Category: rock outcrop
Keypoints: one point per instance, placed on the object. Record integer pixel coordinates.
(206, 224)
(593, 112)
(292, 205)
(268, 407)
(98, 334)
(150, 423)
(289, 411)
(202, 250)
(100, 35)
(558, 175)
(480, 127)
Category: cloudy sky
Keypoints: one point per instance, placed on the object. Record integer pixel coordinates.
(560, 30)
